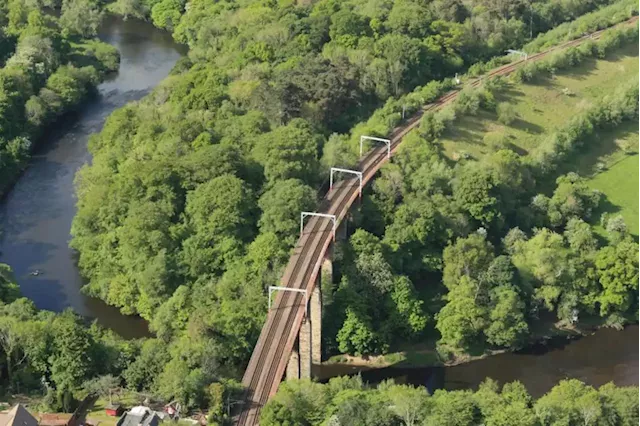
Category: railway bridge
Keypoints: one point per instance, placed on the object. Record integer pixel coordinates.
(291, 336)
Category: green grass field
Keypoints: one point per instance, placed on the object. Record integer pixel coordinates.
(620, 184)
(543, 108)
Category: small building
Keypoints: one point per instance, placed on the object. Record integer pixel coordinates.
(114, 410)
(17, 416)
(139, 416)
(54, 419)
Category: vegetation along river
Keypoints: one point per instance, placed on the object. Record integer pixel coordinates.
(35, 217)
(605, 356)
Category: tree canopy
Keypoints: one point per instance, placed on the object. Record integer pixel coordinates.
(347, 401)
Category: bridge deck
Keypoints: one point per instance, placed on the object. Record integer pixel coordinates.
(271, 354)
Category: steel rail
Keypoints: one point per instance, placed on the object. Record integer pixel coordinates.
(270, 357)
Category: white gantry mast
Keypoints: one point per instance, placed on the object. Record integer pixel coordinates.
(371, 138)
(327, 216)
(339, 170)
(273, 288)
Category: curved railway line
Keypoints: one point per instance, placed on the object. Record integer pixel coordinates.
(271, 353)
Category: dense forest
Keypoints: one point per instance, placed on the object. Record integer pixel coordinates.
(49, 65)
(506, 236)
(348, 402)
(190, 206)
(56, 354)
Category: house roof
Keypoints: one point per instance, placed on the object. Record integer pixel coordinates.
(17, 416)
(54, 419)
(134, 419)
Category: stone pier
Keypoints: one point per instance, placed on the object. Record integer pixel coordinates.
(293, 367)
(315, 315)
(305, 349)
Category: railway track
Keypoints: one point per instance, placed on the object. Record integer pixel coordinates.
(271, 354)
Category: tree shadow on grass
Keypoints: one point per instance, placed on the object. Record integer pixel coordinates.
(579, 72)
(596, 148)
(527, 126)
(630, 50)
(509, 93)
(468, 130)
(515, 148)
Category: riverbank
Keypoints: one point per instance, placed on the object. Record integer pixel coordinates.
(538, 105)
(36, 215)
(539, 367)
(40, 108)
(426, 355)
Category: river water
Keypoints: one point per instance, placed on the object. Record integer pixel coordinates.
(605, 356)
(35, 217)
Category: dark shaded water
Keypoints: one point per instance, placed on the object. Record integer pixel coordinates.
(605, 356)
(608, 355)
(35, 217)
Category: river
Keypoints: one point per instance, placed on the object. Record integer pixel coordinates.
(35, 219)
(36, 215)
(605, 356)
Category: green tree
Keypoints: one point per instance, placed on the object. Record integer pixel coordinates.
(9, 290)
(129, 8)
(621, 404)
(410, 18)
(70, 362)
(407, 314)
(468, 257)
(409, 403)
(103, 386)
(571, 198)
(461, 321)
(80, 17)
(10, 340)
(571, 402)
(542, 264)
(506, 113)
(580, 237)
(166, 13)
(357, 335)
(173, 315)
(453, 408)
(507, 323)
(337, 152)
(474, 192)
(300, 402)
(420, 228)
(617, 268)
(219, 218)
(141, 374)
(281, 206)
(289, 152)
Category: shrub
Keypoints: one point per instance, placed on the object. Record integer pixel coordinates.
(506, 113)
(496, 141)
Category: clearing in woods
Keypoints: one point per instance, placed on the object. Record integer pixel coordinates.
(609, 158)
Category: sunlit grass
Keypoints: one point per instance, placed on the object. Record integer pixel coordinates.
(542, 107)
(546, 106)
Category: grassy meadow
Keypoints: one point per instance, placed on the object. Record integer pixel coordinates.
(609, 158)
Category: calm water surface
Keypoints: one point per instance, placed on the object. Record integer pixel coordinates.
(606, 356)
(35, 217)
